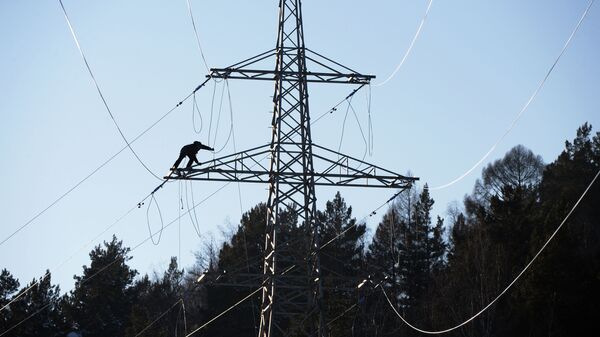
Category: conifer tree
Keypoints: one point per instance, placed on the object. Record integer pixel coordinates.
(342, 262)
(156, 304)
(102, 298)
(562, 292)
(36, 311)
(8, 287)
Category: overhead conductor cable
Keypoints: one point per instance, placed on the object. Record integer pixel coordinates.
(74, 187)
(410, 47)
(524, 108)
(100, 91)
(437, 332)
(197, 36)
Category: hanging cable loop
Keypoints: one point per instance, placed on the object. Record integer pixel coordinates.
(162, 224)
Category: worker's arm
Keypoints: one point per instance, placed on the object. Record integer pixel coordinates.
(204, 147)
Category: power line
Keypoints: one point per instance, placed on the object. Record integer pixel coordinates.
(112, 225)
(372, 213)
(59, 266)
(219, 115)
(360, 129)
(100, 92)
(344, 125)
(197, 36)
(194, 109)
(158, 318)
(150, 237)
(410, 47)
(28, 317)
(284, 272)
(370, 126)
(179, 208)
(212, 107)
(224, 312)
(436, 332)
(151, 196)
(196, 223)
(239, 189)
(184, 318)
(116, 260)
(57, 200)
(334, 108)
(167, 311)
(525, 107)
(230, 119)
(294, 266)
(162, 223)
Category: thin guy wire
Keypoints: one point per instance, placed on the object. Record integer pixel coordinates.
(100, 92)
(436, 332)
(524, 108)
(410, 47)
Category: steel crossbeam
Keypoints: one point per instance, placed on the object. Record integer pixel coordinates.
(331, 169)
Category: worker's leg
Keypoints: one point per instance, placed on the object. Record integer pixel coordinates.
(178, 161)
(191, 162)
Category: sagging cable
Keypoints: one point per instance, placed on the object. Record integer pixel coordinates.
(162, 223)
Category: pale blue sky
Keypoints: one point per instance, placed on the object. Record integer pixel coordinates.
(474, 66)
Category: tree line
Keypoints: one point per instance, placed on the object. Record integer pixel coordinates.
(437, 272)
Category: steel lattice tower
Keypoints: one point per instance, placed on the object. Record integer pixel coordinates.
(292, 297)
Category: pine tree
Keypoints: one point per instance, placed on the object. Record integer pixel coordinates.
(102, 298)
(563, 288)
(240, 254)
(406, 251)
(8, 287)
(38, 304)
(156, 308)
(490, 244)
(342, 262)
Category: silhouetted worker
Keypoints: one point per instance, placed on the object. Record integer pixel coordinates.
(190, 151)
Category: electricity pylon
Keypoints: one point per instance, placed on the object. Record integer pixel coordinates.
(292, 297)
